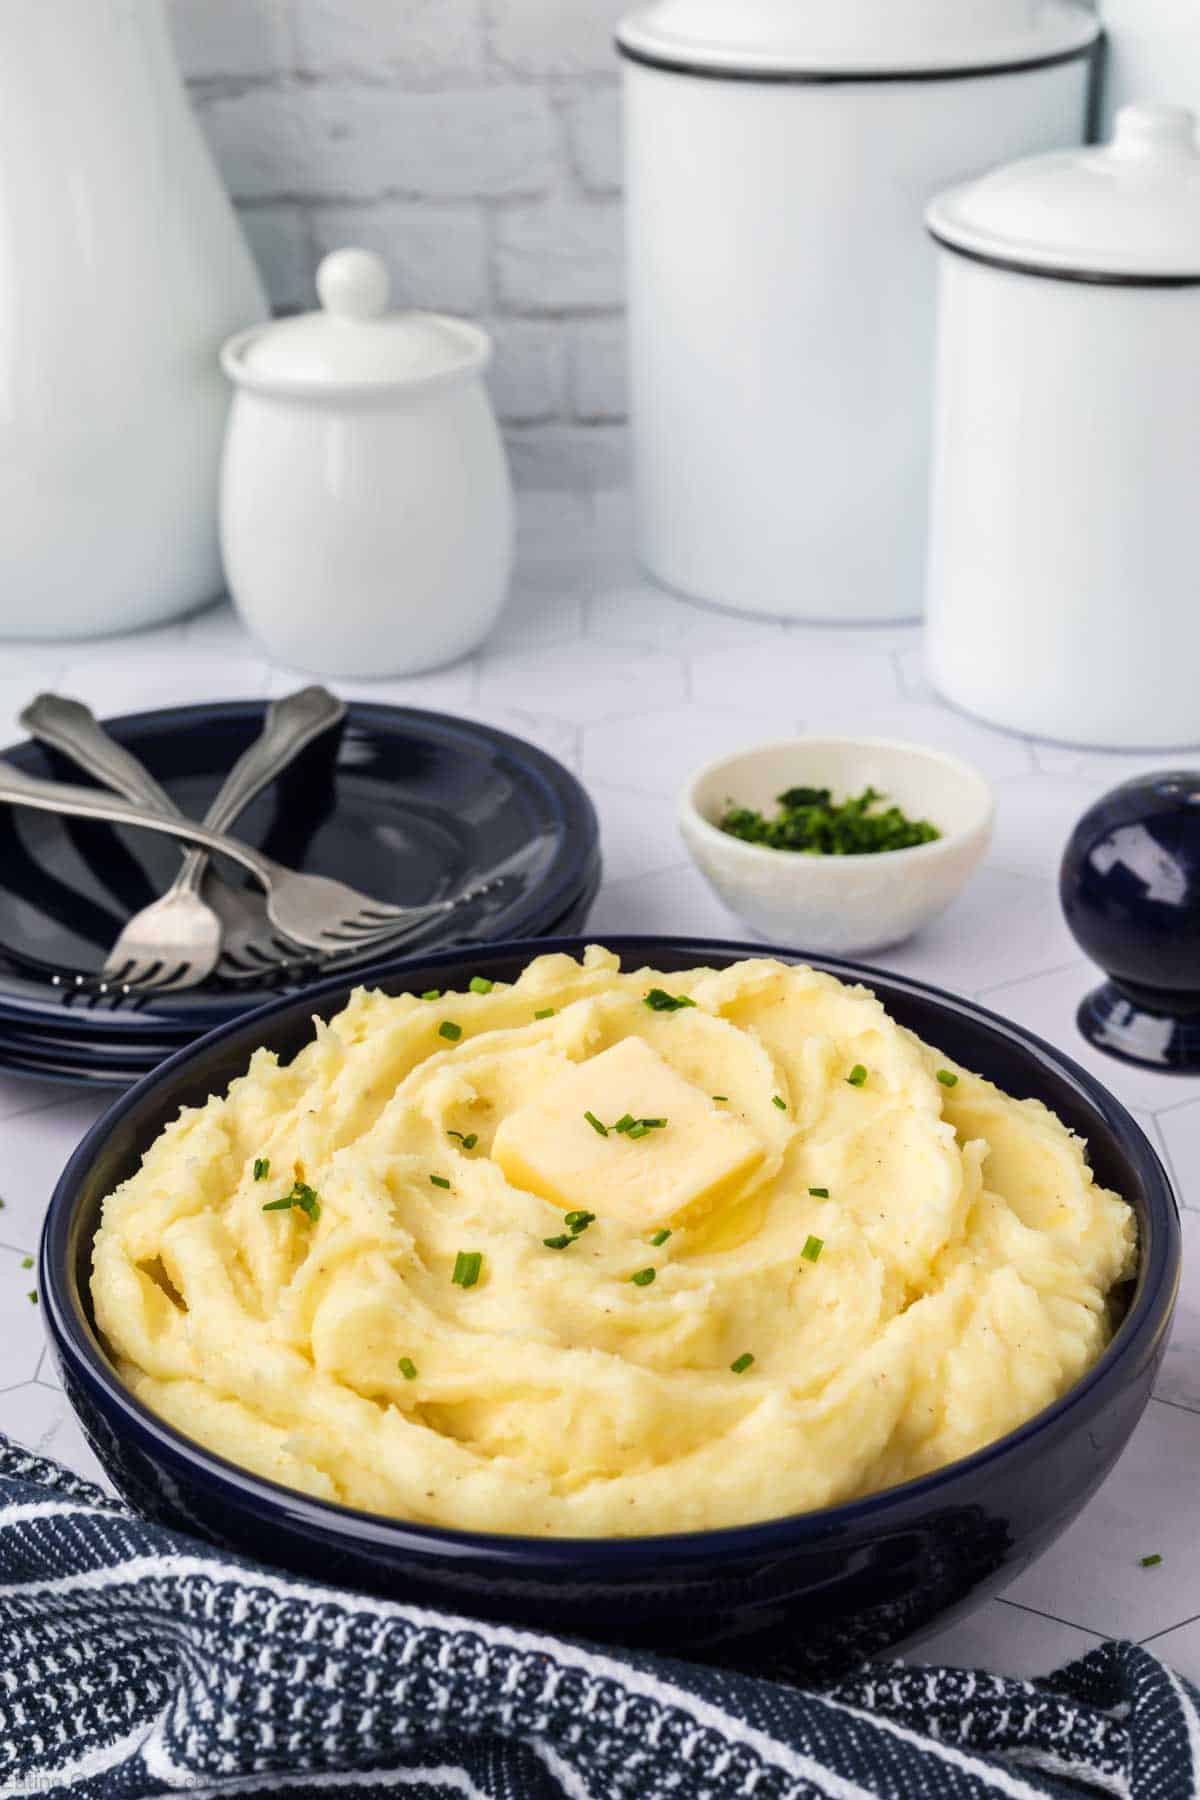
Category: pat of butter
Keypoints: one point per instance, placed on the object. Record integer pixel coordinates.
(699, 1157)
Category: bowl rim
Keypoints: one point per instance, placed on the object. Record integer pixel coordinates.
(764, 855)
(75, 1342)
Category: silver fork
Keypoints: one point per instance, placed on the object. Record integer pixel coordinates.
(177, 941)
(326, 915)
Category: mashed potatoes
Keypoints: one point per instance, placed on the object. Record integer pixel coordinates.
(608, 1253)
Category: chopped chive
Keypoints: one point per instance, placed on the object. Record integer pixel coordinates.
(595, 1124)
(304, 1197)
(408, 1368)
(819, 1193)
(468, 1142)
(857, 1076)
(439, 1181)
(560, 1242)
(262, 1167)
(448, 1029)
(578, 1221)
(3, 1204)
(479, 984)
(467, 1266)
(432, 994)
(625, 1123)
(742, 1364)
(547, 1012)
(301, 1196)
(640, 1127)
(32, 1297)
(660, 1236)
(643, 1278)
(658, 1000)
(27, 1262)
(776, 1101)
(813, 1247)
(719, 1097)
(1150, 1562)
(947, 1077)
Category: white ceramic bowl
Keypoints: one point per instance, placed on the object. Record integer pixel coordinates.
(839, 904)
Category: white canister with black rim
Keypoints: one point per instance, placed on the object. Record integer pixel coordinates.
(779, 158)
(1064, 580)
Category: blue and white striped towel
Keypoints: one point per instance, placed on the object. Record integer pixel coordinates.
(135, 1661)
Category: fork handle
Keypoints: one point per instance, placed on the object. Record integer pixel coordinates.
(72, 727)
(290, 726)
(19, 789)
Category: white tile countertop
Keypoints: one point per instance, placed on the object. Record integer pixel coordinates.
(634, 689)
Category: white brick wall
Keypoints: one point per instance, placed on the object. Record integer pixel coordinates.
(476, 145)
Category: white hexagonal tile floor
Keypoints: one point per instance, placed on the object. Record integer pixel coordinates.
(636, 688)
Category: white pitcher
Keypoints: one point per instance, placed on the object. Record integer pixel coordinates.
(122, 269)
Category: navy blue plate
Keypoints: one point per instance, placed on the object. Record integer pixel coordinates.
(798, 1594)
(408, 806)
(56, 1052)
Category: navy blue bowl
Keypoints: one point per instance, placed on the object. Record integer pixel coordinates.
(799, 1594)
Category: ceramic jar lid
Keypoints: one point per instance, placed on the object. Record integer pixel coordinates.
(1126, 212)
(823, 39)
(354, 343)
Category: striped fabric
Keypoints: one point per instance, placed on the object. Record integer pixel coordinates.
(135, 1661)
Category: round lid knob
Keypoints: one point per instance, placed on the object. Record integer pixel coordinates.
(354, 341)
(1149, 130)
(354, 284)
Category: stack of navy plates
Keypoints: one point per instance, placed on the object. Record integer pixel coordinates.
(408, 806)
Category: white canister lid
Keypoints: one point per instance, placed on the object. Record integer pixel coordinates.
(868, 39)
(1124, 212)
(353, 342)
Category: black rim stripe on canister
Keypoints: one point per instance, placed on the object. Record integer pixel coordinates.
(826, 77)
(1049, 272)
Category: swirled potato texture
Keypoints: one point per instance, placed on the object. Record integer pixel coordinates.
(829, 1260)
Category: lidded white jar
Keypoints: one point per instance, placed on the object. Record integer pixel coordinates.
(779, 157)
(366, 505)
(1064, 598)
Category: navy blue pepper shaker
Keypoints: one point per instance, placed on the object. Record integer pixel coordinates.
(1130, 889)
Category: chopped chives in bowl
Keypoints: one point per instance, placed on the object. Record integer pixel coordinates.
(810, 821)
